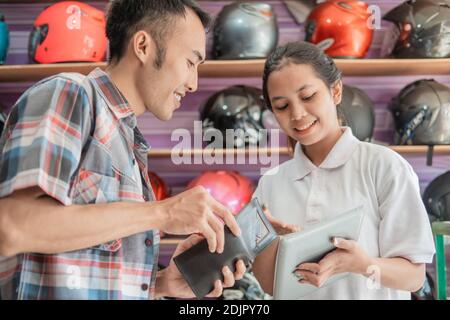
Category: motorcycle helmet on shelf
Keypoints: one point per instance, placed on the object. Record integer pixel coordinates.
(4, 39)
(358, 112)
(160, 189)
(240, 108)
(421, 112)
(436, 198)
(245, 30)
(340, 28)
(68, 31)
(421, 29)
(228, 187)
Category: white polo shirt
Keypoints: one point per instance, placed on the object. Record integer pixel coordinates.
(355, 173)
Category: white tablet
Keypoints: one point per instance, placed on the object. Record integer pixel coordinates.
(311, 245)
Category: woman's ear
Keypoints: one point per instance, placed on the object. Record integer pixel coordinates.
(336, 91)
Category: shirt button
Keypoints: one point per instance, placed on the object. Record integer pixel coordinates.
(144, 287)
(148, 242)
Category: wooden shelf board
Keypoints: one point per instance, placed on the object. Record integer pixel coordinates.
(244, 68)
(284, 151)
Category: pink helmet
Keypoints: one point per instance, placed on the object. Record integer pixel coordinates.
(228, 187)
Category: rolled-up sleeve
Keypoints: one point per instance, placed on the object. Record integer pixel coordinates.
(43, 138)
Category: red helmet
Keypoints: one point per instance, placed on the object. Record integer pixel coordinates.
(159, 186)
(341, 27)
(228, 187)
(68, 31)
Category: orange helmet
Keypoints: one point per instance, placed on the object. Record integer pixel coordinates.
(159, 187)
(228, 187)
(341, 28)
(68, 31)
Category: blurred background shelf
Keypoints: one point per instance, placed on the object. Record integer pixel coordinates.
(165, 153)
(244, 68)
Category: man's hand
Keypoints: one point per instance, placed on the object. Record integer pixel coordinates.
(279, 226)
(196, 211)
(348, 257)
(171, 283)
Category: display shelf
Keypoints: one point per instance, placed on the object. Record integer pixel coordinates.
(244, 68)
(284, 151)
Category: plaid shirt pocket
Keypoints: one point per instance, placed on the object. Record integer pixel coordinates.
(93, 187)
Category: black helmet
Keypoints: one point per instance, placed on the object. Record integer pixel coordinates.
(358, 112)
(437, 198)
(421, 113)
(427, 291)
(2, 121)
(237, 107)
(422, 29)
(245, 31)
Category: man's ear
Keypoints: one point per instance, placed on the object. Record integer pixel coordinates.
(336, 91)
(143, 46)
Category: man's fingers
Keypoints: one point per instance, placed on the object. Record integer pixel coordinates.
(217, 226)
(217, 291)
(228, 277)
(224, 213)
(188, 243)
(240, 270)
(210, 236)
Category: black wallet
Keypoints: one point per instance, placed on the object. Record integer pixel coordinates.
(201, 268)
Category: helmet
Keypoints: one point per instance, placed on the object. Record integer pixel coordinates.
(245, 31)
(4, 39)
(436, 198)
(422, 113)
(2, 121)
(228, 187)
(427, 290)
(421, 30)
(68, 31)
(358, 112)
(159, 186)
(341, 28)
(247, 288)
(237, 107)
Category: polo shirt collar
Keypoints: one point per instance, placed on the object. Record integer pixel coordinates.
(338, 156)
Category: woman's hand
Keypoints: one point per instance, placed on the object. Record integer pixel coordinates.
(348, 257)
(279, 226)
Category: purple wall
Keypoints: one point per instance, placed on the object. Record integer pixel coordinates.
(21, 16)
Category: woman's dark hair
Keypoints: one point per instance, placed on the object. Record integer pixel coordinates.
(126, 17)
(301, 52)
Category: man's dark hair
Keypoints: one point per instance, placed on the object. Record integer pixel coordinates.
(157, 17)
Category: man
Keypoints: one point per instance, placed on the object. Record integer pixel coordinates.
(76, 216)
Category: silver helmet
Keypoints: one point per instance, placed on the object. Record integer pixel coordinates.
(245, 30)
(358, 112)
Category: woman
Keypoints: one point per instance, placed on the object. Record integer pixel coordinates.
(332, 172)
